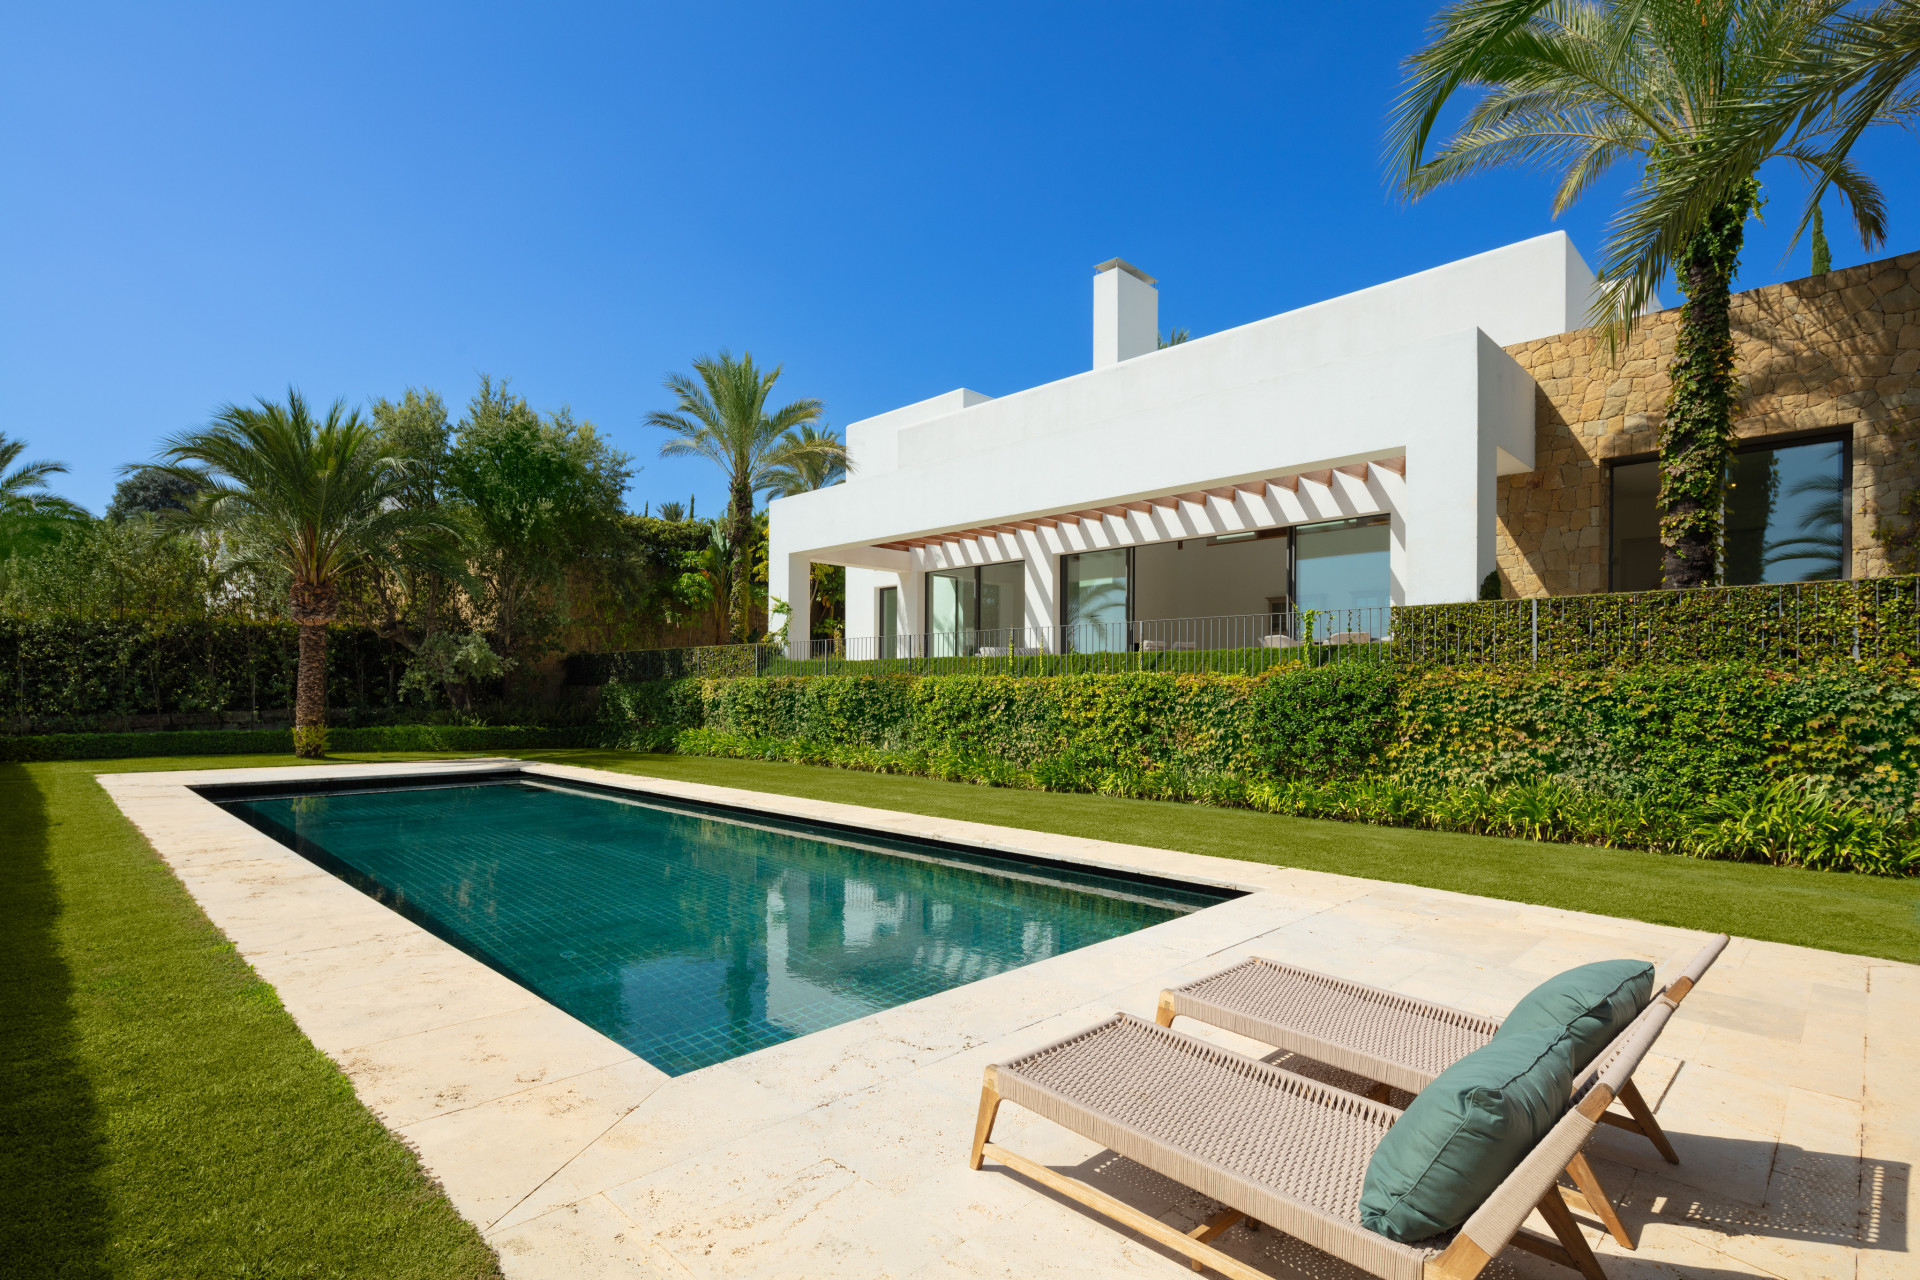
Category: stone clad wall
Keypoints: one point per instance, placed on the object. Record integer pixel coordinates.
(1839, 350)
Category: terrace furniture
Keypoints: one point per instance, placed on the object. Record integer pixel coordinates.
(1153, 646)
(1279, 642)
(1026, 651)
(1393, 1039)
(1349, 637)
(990, 651)
(1186, 646)
(1278, 1148)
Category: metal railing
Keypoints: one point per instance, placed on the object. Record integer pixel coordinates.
(1237, 643)
(1784, 625)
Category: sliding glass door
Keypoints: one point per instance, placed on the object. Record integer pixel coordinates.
(1096, 603)
(976, 610)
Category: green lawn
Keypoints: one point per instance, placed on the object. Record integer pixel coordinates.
(162, 1115)
(1838, 911)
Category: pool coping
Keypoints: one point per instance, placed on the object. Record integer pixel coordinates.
(536, 1124)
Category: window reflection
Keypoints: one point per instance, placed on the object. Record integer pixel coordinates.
(1785, 518)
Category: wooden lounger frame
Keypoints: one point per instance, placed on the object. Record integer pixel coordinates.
(1496, 1223)
(1587, 1193)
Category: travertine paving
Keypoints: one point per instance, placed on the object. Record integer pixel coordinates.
(1786, 1081)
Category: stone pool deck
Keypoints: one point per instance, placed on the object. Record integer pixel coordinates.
(1787, 1081)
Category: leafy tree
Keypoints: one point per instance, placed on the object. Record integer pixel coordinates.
(415, 427)
(538, 495)
(150, 491)
(415, 599)
(1582, 85)
(1822, 255)
(310, 497)
(1174, 338)
(139, 565)
(31, 516)
(724, 418)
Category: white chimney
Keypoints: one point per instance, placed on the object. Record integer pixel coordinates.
(1126, 313)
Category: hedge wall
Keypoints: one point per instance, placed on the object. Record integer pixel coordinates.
(1789, 624)
(1643, 757)
(73, 673)
(215, 742)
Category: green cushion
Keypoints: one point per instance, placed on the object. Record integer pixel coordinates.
(1465, 1133)
(1472, 1126)
(1594, 1003)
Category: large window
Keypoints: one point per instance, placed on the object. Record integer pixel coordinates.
(968, 609)
(1095, 604)
(1786, 517)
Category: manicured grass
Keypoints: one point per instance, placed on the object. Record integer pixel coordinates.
(1837, 911)
(162, 1116)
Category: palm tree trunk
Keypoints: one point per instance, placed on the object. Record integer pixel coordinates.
(741, 521)
(1697, 436)
(314, 605)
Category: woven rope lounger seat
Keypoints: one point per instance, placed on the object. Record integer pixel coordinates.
(1279, 1148)
(1369, 1031)
(1393, 1038)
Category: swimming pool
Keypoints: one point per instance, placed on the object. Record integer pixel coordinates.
(689, 933)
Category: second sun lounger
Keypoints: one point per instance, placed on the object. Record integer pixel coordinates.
(1281, 1149)
(1395, 1039)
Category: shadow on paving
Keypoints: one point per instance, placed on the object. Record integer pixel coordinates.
(1831, 1199)
(51, 1145)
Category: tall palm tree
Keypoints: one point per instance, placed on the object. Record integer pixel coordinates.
(30, 515)
(820, 460)
(724, 418)
(1862, 70)
(1579, 86)
(309, 497)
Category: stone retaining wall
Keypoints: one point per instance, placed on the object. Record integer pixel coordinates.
(1826, 352)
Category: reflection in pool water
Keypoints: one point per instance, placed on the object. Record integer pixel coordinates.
(693, 937)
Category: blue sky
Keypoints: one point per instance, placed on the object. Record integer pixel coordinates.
(209, 203)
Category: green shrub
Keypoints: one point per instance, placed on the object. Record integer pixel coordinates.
(59, 672)
(212, 742)
(1818, 769)
(1323, 722)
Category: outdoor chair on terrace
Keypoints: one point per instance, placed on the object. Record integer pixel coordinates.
(1278, 1148)
(1395, 1040)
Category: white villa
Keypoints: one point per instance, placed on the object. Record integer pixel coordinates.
(1336, 459)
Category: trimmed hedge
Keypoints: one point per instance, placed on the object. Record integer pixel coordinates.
(1676, 759)
(1789, 624)
(214, 742)
(74, 673)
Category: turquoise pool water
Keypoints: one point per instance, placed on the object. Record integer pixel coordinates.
(695, 935)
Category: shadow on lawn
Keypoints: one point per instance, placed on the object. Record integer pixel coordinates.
(51, 1145)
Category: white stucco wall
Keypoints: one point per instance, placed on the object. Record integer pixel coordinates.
(1412, 369)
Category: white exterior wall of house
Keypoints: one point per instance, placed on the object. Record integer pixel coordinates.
(1411, 370)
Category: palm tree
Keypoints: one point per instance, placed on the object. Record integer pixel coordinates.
(30, 516)
(723, 418)
(820, 460)
(310, 498)
(1862, 70)
(1582, 85)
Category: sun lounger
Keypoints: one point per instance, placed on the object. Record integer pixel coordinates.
(1278, 1148)
(1391, 1038)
